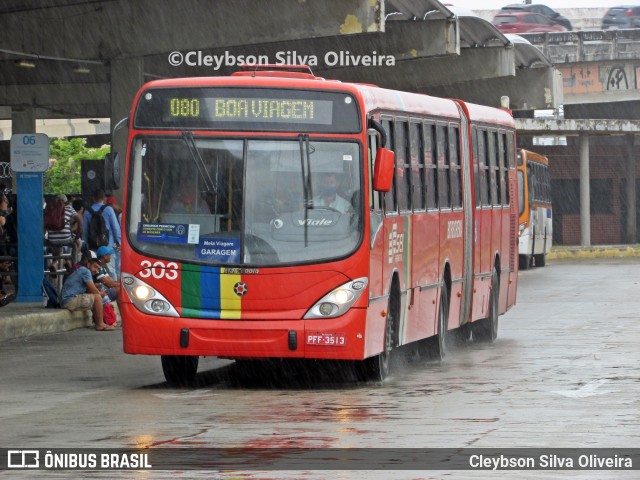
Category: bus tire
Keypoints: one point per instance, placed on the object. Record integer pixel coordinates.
(524, 262)
(486, 330)
(179, 369)
(434, 348)
(376, 368)
(541, 260)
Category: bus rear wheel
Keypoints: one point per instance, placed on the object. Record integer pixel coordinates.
(541, 260)
(179, 369)
(524, 262)
(434, 348)
(486, 330)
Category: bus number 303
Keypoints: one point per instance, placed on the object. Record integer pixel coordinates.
(335, 339)
(159, 270)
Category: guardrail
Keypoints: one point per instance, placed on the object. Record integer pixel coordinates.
(587, 45)
(55, 262)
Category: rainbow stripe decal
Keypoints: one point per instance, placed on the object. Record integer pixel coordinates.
(208, 292)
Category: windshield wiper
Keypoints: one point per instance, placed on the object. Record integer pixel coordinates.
(209, 185)
(305, 154)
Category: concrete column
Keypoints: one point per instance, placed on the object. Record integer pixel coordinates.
(126, 79)
(631, 191)
(23, 120)
(585, 206)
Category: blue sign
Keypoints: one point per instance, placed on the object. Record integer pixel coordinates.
(163, 232)
(219, 250)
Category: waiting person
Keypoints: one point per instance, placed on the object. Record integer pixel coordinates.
(110, 219)
(80, 293)
(105, 277)
(58, 239)
(113, 203)
(5, 268)
(85, 257)
(77, 225)
(329, 195)
(5, 264)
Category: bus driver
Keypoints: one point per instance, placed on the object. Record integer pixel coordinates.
(329, 197)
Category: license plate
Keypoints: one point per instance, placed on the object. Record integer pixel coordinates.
(329, 339)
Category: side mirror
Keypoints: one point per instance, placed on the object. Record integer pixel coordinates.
(383, 170)
(112, 171)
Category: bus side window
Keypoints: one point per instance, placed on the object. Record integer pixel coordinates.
(416, 152)
(484, 169)
(510, 150)
(547, 185)
(390, 205)
(430, 156)
(374, 197)
(443, 167)
(403, 167)
(492, 157)
(503, 191)
(476, 169)
(454, 165)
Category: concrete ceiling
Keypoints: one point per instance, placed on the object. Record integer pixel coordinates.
(436, 49)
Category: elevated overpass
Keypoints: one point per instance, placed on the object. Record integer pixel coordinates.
(87, 58)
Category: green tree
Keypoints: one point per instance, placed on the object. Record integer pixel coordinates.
(63, 175)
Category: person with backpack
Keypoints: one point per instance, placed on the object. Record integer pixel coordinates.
(101, 227)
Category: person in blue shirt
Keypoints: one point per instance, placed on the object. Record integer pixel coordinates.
(80, 293)
(110, 220)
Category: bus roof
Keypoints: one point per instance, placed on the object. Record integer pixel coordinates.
(529, 156)
(373, 98)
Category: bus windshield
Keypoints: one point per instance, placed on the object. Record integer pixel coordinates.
(244, 201)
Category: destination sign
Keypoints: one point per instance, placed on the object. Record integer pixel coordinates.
(243, 109)
(248, 110)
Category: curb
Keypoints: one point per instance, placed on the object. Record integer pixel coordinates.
(609, 251)
(25, 319)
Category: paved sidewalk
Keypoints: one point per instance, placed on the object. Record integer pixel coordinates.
(24, 319)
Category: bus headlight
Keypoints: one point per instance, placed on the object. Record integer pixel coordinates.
(147, 299)
(339, 300)
(142, 292)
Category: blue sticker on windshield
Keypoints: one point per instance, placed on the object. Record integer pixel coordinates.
(219, 250)
(163, 232)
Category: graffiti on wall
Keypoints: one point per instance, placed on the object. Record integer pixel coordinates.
(592, 78)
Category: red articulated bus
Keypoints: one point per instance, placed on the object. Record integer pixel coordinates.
(265, 217)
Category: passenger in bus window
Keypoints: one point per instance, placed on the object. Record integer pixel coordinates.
(188, 200)
(329, 195)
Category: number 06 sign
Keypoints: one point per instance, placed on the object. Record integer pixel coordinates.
(29, 152)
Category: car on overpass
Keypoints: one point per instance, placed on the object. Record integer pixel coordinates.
(624, 16)
(525, 22)
(538, 8)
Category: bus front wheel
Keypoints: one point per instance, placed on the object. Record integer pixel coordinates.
(179, 369)
(377, 368)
